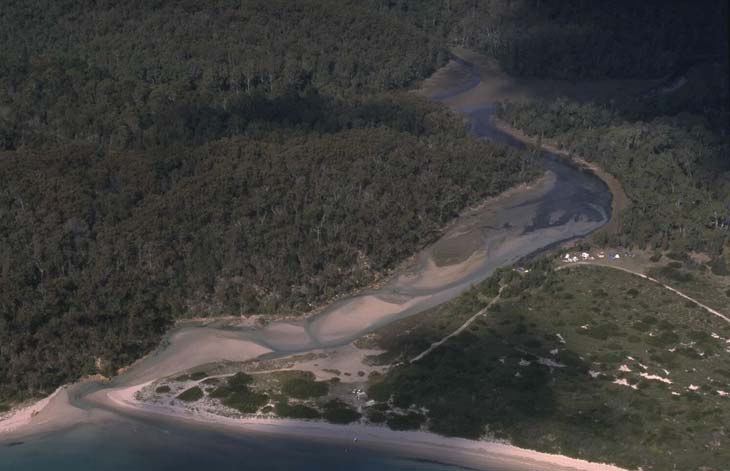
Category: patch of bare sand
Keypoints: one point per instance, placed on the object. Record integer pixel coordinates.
(189, 348)
(50, 413)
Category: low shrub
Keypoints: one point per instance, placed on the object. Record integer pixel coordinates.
(672, 274)
(191, 395)
(604, 331)
(221, 392)
(198, 375)
(376, 416)
(410, 421)
(240, 381)
(665, 339)
(302, 388)
(162, 389)
(297, 411)
(337, 412)
(720, 267)
(679, 256)
(247, 402)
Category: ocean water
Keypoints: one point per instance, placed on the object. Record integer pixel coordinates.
(128, 445)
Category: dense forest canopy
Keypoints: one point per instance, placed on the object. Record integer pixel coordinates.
(167, 158)
(133, 74)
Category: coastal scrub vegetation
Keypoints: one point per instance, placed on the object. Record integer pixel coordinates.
(304, 387)
(293, 394)
(191, 395)
(635, 371)
(339, 412)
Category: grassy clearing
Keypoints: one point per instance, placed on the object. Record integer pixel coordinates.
(634, 370)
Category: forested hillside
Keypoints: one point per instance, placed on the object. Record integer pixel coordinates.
(137, 74)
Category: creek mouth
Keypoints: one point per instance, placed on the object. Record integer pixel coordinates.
(566, 203)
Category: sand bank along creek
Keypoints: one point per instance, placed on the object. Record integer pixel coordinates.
(565, 203)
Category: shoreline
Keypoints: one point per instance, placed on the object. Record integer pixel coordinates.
(22, 415)
(409, 444)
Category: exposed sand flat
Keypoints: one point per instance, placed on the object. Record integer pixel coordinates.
(191, 347)
(474, 453)
(285, 336)
(356, 315)
(23, 416)
(435, 277)
(49, 414)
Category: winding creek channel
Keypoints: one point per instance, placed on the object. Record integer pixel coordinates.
(566, 203)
